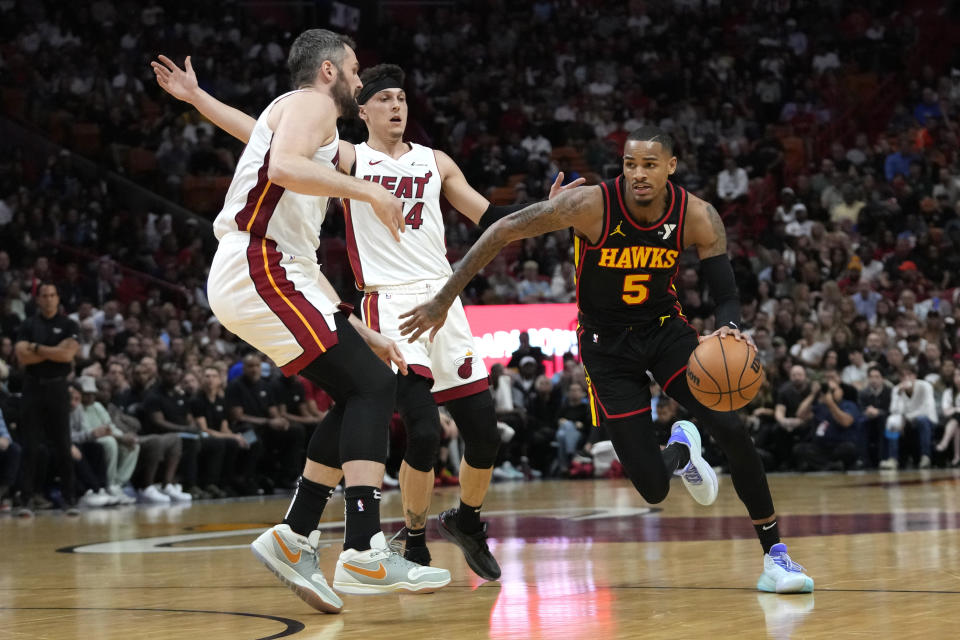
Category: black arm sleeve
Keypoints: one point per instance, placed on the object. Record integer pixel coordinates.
(718, 273)
(494, 213)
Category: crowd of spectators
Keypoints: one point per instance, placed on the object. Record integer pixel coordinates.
(846, 248)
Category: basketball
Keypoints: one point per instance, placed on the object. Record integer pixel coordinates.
(724, 373)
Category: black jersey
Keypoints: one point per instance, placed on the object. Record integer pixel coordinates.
(48, 332)
(627, 278)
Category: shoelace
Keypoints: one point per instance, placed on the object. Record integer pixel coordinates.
(783, 560)
(394, 545)
(692, 475)
(480, 536)
(313, 551)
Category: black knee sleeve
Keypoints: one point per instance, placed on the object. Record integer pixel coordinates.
(364, 389)
(366, 419)
(476, 419)
(421, 420)
(423, 437)
(322, 447)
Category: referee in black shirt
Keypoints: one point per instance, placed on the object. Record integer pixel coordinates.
(46, 345)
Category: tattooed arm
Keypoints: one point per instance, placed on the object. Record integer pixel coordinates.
(581, 208)
(706, 232)
(704, 229)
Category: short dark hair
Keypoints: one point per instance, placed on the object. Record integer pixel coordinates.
(311, 49)
(908, 368)
(651, 133)
(381, 72)
(48, 283)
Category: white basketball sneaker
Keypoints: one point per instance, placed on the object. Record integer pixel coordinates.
(380, 569)
(698, 476)
(153, 495)
(293, 558)
(121, 498)
(176, 493)
(94, 500)
(781, 574)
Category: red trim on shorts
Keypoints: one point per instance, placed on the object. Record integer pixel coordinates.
(298, 315)
(299, 363)
(613, 416)
(421, 370)
(352, 252)
(670, 379)
(371, 310)
(464, 390)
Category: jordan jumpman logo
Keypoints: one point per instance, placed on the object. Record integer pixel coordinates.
(617, 230)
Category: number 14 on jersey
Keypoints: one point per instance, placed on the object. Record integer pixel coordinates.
(414, 216)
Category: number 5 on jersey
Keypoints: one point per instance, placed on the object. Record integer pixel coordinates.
(414, 217)
(633, 291)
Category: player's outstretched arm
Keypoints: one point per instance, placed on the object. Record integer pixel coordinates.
(182, 84)
(470, 203)
(581, 209)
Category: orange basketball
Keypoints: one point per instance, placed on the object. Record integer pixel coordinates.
(724, 375)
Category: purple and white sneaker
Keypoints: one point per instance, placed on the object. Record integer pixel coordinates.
(698, 476)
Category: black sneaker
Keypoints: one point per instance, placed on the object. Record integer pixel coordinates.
(420, 555)
(473, 545)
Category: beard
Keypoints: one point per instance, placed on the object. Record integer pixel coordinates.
(344, 99)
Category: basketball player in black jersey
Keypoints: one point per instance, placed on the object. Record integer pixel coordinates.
(629, 233)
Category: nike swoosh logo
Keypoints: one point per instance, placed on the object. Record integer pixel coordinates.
(379, 574)
(292, 557)
(373, 162)
(767, 527)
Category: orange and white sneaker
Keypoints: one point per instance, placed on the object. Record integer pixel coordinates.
(293, 558)
(380, 570)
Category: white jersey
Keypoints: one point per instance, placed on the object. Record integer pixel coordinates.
(261, 208)
(376, 258)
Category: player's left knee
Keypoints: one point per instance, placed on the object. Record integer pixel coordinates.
(476, 419)
(423, 437)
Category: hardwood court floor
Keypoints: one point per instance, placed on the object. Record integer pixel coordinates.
(580, 559)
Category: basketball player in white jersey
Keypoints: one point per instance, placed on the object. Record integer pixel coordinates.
(395, 277)
(266, 286)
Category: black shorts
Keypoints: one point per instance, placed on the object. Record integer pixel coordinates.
(617, 359)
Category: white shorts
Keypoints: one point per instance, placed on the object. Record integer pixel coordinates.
(452, 360)
(271, 300)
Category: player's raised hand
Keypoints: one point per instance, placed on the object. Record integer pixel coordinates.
(180, 83)
(428, 316)
(558, 187)
(389, 210)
